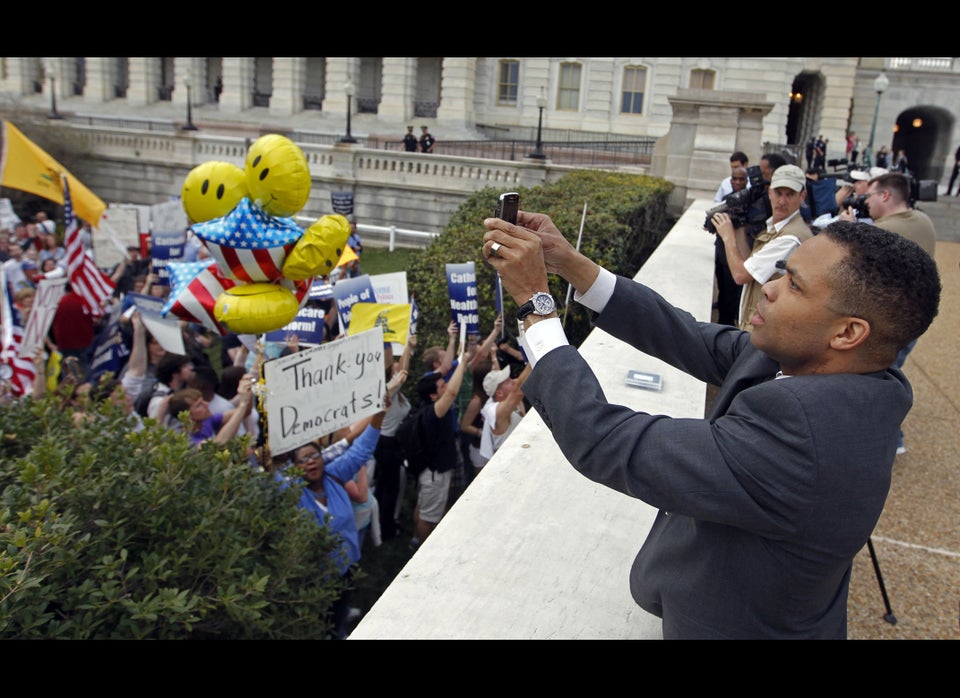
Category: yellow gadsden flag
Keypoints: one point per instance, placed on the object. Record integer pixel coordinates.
(26, 166)
(394, 318)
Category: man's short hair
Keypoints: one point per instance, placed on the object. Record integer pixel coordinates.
(431, 355)
(181, 400)
(896, 183)
(887, 280)
(169, 365)
(205, 379)
(774, 160)
(739, 156)
(427, 386)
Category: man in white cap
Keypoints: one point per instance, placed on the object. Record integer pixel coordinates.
(856, 186)
(785, 231)
(503, 410)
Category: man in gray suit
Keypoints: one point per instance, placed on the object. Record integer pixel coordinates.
(765, 503)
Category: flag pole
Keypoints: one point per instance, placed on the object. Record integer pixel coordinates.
(566, 304)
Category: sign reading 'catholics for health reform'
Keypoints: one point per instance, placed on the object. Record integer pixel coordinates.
(316, 391)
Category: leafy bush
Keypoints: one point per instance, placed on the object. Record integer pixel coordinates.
(626, 220)
(106, 533)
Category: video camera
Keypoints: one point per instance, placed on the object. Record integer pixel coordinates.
(858, 204)
(738, 204)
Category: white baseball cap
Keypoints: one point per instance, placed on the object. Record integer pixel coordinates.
(493, 379)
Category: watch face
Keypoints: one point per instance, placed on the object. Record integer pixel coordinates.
(543, 304)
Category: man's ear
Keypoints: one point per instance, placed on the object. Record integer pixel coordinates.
(852, 333)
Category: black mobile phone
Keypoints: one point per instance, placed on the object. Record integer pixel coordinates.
(507, 206)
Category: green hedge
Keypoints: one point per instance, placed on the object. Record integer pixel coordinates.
(626, 220)
(107, 533)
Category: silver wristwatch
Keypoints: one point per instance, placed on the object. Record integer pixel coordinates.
(540, 303)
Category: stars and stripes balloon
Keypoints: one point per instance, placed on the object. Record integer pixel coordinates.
(249, 245)
(194, 289)
(263, 262)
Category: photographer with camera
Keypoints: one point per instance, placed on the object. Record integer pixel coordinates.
(784, 231)
(728, 290)
(851, 196)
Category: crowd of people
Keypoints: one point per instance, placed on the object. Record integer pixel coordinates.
(355, 479)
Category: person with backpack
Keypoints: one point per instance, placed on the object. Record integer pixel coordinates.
(436, 423)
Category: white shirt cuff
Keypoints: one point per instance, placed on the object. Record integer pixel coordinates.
(541, 338)
(600, 293)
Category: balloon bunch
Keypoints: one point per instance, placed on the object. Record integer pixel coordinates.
(262, 262)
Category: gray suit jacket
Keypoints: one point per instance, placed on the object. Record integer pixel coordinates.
(764, 504)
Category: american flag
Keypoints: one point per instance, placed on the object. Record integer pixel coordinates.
(86, 280)
(18, 371)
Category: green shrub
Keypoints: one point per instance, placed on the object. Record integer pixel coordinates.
(626, 220)
(106, 533)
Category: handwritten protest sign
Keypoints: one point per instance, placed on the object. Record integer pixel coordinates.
(49, 293)
(316, 391)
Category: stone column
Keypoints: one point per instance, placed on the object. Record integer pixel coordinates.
(707, 126)
(237, 95)
(289, 82)
(144, 80)
(196, 68)
(22, 73)
(100, 80)
(398, 90)
(339, 70)
(457, 87)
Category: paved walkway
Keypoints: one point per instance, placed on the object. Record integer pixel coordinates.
(917, 540)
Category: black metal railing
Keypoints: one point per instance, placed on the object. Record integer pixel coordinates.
(367, 106)
(426, 110)
(314, 102)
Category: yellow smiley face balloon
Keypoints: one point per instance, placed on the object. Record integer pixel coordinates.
(278, 176)
(319, 250)
(212, 189)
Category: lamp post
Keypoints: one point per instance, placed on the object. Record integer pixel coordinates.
(881, 83)
(349, 89)
(187, 80)
(48, 66)
(537, 154)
